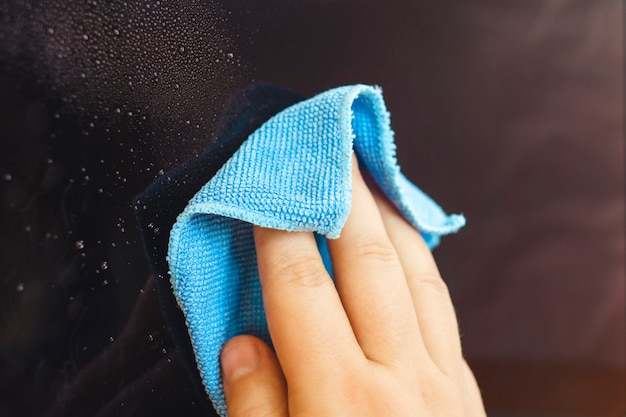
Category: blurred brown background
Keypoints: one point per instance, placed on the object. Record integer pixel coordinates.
(511, 112)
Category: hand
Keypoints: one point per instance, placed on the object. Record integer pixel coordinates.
(383, 342)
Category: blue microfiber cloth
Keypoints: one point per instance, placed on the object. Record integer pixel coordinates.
(293, 173)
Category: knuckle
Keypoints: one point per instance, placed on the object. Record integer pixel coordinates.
(376, 249)
(431, 282)
(256, 410)
(301, 270)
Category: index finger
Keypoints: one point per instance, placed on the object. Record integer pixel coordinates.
(305, 317)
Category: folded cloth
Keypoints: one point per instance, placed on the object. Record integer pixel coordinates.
(293, 173)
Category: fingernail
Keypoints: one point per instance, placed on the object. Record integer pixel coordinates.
(239, 359)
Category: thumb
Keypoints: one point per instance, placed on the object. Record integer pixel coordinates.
(253, 381)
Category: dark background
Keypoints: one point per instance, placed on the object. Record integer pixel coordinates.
(510, 112)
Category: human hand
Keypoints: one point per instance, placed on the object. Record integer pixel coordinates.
(383, 342)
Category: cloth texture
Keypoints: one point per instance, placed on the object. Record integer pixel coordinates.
(293, 173)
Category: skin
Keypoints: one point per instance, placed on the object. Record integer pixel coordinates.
(383, 342)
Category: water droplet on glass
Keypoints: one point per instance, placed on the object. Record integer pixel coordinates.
(111, 339)
(150, 338)
(27, 229)
(7, 177)
(156, 230)
(104, 265)
(116, 32)
(79, 244)
(20, 287)
(230, 55)
(118, 110)
(51, 31)
(85, 37)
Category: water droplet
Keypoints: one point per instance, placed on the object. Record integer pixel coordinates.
(116, 32)
(85, 37)
(51, 31)
(118, 110)
(27, 228)
(181, 49)
(79, 244)
(20, 287)
(157, 230)
(150, 338)
(7, 177)
(104, 265)
(230, 55)
(111, 339)
(151, 225)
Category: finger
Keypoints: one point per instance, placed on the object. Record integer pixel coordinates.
(371, 282)
(307, 323)
(431, 299)
(253, 381)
